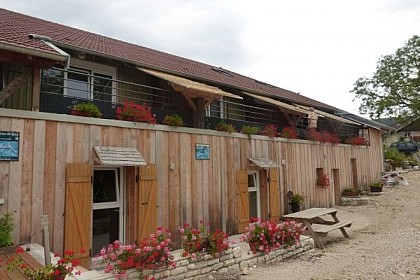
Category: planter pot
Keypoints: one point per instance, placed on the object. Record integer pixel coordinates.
(375, 189)
(295, 207)
(80, 113)
(8, 249)
(350, 195)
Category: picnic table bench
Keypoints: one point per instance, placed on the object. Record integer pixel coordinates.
(315, 216)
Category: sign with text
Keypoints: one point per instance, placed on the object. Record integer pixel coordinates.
(9, 145)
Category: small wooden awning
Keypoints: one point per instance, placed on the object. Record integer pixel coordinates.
(191, 88)
(277, 103)
(264, 162)
(118, 156)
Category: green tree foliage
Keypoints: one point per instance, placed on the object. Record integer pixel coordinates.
(394, 88)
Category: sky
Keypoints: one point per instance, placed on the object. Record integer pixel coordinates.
(315, 48)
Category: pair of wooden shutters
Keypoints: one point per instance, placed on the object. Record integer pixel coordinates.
(242, 198)
(78, 209)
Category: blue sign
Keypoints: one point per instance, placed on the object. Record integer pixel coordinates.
(9, 145)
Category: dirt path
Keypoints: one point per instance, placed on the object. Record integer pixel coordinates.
(384, 242)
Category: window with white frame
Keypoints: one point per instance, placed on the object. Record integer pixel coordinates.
(254, 194)
(90, 80)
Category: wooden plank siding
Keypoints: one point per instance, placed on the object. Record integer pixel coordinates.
(188, 190)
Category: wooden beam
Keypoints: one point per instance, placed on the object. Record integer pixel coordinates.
(25, 59)
(15, 84)
(36, 88)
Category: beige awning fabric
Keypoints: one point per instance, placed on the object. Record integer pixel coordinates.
(190, 87)
(277, 103)
(328, 116)
(118, 156)
(264, 162)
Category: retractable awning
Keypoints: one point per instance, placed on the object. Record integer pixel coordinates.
(277, 103)
(329, 116)
(118, 156)
(190, 87)
(264, 162)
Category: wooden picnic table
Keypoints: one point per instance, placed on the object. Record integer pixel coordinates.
(313, 216)
(17, 272)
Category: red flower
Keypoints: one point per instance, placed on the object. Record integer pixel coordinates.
(19, 250)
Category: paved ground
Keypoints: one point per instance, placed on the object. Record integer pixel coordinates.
(384, 242)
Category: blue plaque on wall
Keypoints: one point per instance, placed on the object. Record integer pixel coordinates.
(9, 145)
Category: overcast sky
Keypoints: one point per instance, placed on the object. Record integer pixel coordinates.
(316, 48)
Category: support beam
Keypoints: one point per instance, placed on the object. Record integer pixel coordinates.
(36, 88)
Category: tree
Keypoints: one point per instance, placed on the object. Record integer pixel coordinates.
(394, 89)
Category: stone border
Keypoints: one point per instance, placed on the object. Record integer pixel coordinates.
(354, 201)
(237, 259)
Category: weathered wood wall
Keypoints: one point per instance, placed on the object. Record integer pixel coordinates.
(195, 190)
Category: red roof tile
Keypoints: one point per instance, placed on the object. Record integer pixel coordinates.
(16, 27)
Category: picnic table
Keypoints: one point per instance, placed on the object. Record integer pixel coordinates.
(17, 272)
(315, 216)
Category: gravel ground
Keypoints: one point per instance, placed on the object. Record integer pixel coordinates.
(384, 242)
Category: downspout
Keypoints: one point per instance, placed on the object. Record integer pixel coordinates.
(47, 40)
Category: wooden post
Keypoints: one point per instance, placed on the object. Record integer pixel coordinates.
(199, 115)
(47, 256)
(36, 88)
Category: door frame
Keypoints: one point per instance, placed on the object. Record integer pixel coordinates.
(120, 203)
(257, 188)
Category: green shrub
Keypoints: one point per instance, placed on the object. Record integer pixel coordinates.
(395, 158)
(6, 228)
(248, 130)
(225, 127)
(88, 107)
(173, 120)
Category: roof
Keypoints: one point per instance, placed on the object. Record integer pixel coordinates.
(393, 122)
(364, 121)
(16, 27)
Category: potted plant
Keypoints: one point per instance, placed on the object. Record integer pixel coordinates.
(323, 181)
(289, 132)
(248, 130)
(173, 120)
(225, 127)
(130, 111)
(376, 187)
(295, 201)
(6, 229)
(85, 109)
(270, 131)
(351, 192)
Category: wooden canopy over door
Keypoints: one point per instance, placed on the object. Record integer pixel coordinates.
(78, 213)
(274, 206)
(242, 200)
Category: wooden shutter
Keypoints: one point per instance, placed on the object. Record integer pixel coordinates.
(274, 196)
(78, 213)
(242, 200)
(147, 201)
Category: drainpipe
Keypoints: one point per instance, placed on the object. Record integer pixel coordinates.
(47, 40)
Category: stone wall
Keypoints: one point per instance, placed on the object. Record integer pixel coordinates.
(237, 259)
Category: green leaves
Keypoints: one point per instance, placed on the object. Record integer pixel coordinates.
(394, 88)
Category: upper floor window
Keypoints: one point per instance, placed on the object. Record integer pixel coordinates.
(84, 80)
